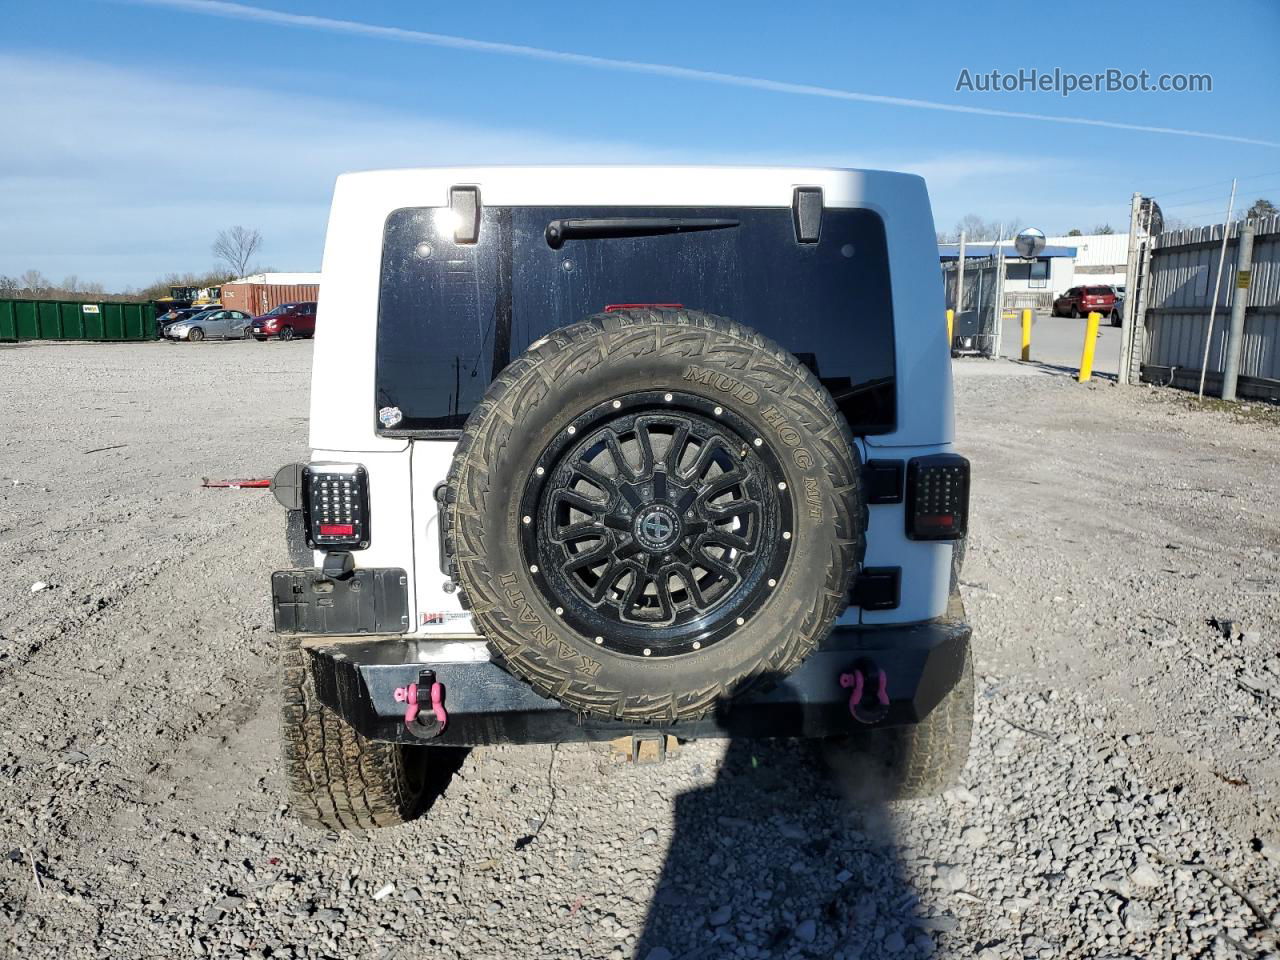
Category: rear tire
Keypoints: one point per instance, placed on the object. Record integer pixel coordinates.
(1115, 319)
(914, 762)
(338, 780)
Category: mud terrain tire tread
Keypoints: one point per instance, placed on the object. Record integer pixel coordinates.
(917, 761)
(336, 779)
(927, 758)
(576, 350)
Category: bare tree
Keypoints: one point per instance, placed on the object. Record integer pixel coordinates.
(1261, 208)
(236, 247)
(977, 228)
(9, 287)
(33, 282)
(1104, 229)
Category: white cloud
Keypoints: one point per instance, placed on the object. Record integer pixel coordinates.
(120, 175)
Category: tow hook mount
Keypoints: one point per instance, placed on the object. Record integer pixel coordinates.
(868, 687)
(424, 723)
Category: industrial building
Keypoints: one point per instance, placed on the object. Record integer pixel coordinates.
(1065, 262)
(1100, 258)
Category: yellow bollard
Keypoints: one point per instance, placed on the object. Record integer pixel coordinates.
(1090, 341)
(951, 322)
(1026, 334)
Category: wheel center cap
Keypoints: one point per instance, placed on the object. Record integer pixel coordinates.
(657, 527)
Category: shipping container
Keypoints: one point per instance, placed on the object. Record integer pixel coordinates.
(76, 320)
(257, 298)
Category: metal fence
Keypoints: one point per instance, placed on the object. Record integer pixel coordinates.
(74, 320)
(1177, 290)
(977, 306)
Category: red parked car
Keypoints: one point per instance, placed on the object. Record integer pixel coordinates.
(286, 321)
(1079, 301)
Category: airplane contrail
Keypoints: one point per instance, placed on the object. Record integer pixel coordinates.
(241, 11)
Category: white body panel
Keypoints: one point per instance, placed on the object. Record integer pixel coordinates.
(343, 372)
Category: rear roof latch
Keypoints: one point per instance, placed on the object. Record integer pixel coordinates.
(806, 213)
(465, 204)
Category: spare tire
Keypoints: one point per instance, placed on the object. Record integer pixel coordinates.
(652, 511)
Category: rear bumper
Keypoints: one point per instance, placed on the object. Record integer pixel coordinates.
(357, 677)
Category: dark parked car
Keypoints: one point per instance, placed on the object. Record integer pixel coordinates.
(286, 321)
(1117, 311)
(1079, 301)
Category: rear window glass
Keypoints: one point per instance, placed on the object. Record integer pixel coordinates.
(1099, 291)
(451, 316)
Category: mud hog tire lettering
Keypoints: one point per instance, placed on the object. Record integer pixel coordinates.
(784, 507)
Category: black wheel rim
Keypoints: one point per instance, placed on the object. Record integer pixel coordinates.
(657, 524)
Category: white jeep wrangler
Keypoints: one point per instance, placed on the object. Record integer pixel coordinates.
(611, 451)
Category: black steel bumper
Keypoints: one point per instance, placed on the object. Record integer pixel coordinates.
(358, 678)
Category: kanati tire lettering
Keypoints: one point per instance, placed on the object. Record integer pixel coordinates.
(522, 612)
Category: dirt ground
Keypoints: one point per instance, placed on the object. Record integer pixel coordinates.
(1120, 800)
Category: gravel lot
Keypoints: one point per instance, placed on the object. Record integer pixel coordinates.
(1120, 801)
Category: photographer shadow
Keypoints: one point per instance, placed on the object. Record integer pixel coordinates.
(790, 852)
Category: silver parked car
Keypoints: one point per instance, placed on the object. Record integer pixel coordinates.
(227, 324)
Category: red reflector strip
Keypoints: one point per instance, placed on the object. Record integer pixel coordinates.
(939, 520)
(610, 308)
(337, 529)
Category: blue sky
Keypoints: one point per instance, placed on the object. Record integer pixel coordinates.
(133, 131)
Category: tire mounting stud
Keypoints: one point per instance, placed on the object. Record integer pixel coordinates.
(533, 568)
(782, 485)
(599, 639)
(539, 471)
(617, 404)
(772, 582)
(666, 397)
(758, 442)
(697, 644)
(647, 651)
(528, 520)
(719, 410)
(786, 534)
(741, 621)
(572, 430)
(559, 611)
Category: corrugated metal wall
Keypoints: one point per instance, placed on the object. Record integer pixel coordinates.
(76, 320)
(258, 298)
(1182, 275)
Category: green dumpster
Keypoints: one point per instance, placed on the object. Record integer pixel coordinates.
(76, 320)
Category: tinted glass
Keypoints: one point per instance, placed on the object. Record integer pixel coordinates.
(451, 316)
(1100, 291)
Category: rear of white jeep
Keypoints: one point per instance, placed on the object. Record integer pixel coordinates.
(612, 451)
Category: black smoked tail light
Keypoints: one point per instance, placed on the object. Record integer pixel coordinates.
(336, 505)
(937, 497)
